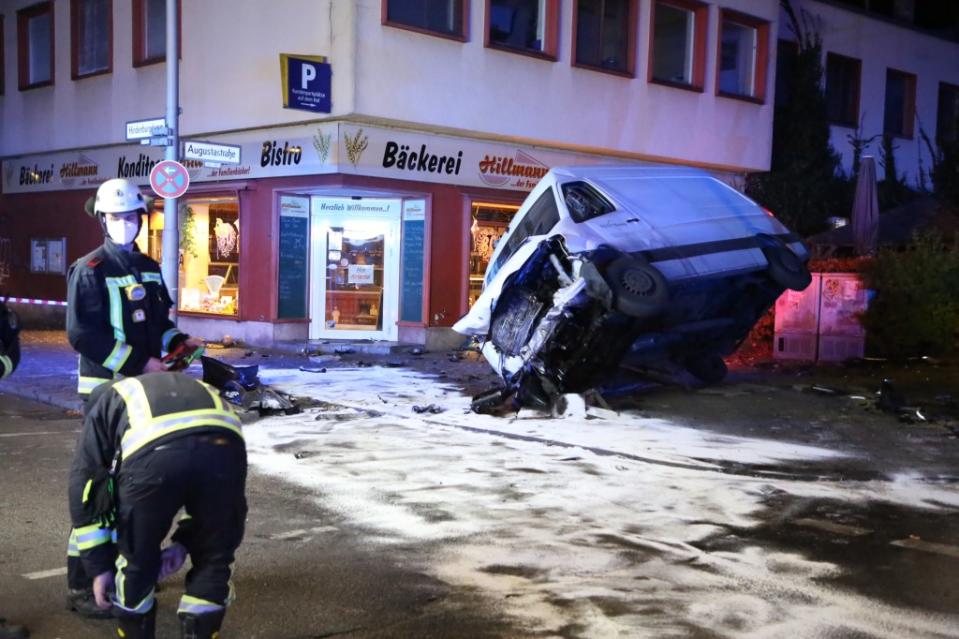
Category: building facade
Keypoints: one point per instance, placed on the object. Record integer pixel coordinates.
(373, 215)
(891, 67)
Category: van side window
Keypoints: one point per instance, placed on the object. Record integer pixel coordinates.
(541, 217)
(584, 202)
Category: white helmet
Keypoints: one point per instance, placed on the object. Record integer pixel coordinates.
(119, 196)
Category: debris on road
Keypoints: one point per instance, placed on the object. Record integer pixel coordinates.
(429, 408)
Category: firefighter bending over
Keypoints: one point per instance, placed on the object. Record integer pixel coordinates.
(151, 445)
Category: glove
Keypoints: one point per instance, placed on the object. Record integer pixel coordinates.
(172, 559)
(182, 356)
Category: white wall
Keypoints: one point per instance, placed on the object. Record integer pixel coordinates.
(229, 73)
(230, 79)
(420, 78)
(880, 45)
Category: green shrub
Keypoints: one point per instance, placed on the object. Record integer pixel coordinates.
(916, 307)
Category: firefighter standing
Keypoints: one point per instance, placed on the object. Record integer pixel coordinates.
(9, 341)
(118, 320)
(9, 358)
(173, 443)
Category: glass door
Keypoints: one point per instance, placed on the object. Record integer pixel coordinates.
(355, 266)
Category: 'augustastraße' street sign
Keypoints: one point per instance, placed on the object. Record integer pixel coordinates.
(211, 153)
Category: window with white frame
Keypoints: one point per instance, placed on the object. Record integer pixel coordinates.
(35, 45)
(743, 56)
(440, 17)
(149, 30)
(524, 25)
(678, 42)
(737, 59)
(92, 33)
(604, 34)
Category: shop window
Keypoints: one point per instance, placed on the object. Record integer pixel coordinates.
(539, 219)
(527, 26)
(678, 43)
(489, 223)
(48, 255)
(209, 271)
(436, 17)
(947, 117)
(35, 45)
(91, 33)
(743, 52)
(900, 111)
(842, 89)
(149, 30)
(605, 34)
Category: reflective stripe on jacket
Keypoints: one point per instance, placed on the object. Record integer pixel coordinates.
(118, 314)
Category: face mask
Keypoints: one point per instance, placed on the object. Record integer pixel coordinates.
(122, 231)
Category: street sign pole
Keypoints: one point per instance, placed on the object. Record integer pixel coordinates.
(171, 218)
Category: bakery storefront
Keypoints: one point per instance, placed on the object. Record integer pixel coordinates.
(326, 231)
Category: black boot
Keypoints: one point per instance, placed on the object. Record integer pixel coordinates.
(205, 626)
(82, 602)
(12, 632)
(137, 626)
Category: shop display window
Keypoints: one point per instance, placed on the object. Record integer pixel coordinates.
(354, 277)
(488, 224)
(209, 253)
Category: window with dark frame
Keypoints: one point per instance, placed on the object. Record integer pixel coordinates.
(739, 58)
(842, 89)
(441, 17)
(35, 45)
(149, 31)
(92, 37)
(678, 43)
(900, 104)
(604, 34)
(528, 26)
(947, 116)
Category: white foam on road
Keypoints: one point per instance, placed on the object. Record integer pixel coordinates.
(564, 537)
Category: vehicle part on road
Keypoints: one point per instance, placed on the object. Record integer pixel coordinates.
(648, 267)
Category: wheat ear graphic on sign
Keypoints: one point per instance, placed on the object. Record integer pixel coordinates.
(321, 143)
(355, 146)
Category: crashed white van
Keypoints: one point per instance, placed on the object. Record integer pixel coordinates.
(655, 268)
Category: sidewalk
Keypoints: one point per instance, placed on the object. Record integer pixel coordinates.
(48, 365)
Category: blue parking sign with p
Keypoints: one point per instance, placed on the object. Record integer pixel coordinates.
(306, 82)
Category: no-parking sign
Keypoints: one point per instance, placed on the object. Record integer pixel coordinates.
(169, 179)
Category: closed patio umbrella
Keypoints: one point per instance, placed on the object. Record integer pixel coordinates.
(865, 209)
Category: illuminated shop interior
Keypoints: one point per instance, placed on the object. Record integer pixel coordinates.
(209, 252)
(487, 225)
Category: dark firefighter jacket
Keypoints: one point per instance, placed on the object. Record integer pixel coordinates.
(9, 342)
(118, 314)
(128, 418)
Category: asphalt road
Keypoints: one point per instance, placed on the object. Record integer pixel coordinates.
(300, 573)
(304, 572)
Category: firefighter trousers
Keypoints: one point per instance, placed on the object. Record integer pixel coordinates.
(204, 473)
